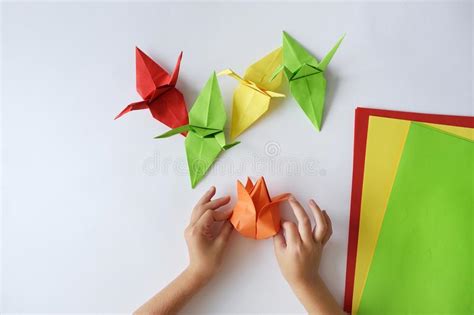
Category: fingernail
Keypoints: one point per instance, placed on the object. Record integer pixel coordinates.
(291, 198)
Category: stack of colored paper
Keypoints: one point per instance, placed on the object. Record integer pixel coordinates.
(411, 222)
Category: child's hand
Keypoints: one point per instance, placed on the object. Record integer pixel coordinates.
(205, 255)
(204, 246)
(299, 252)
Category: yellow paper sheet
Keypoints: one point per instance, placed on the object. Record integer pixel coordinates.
(385, 140)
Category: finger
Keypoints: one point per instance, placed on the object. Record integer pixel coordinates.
(198, 209)
(204, 223)
(222, 215)
(321, 226)
(216, 203)
(279, 241)
(291, 233)
(224, 234)
(329, 224)
(304, 223)
(211, 205)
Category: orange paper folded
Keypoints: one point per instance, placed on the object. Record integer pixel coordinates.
(256, 215)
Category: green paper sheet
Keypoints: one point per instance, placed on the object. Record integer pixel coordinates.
(423, 259)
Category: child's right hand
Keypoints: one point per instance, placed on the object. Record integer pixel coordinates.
(298, 249)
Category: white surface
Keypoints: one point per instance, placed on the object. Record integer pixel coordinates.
(94, 209)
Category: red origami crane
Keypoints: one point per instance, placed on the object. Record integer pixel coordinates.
(157, 88)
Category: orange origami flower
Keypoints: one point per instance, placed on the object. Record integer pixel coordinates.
(256, 215)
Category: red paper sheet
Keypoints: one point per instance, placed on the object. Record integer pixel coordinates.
(360, 138)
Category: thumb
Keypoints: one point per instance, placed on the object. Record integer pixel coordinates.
(279, 242)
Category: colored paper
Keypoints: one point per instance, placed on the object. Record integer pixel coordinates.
(158, 91)
(205, 139)
(306, 77)
(256, 215)
(253, 94)
(423, 257)
(385, 141)
(360, 136)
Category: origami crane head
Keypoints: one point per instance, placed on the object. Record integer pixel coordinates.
(157, 89)
(205, 139)
(306, 77)
(256, 215)
(252, 96)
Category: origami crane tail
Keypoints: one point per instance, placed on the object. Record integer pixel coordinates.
(175, 131)
(133, 106)
(174, 76)
(324, 63)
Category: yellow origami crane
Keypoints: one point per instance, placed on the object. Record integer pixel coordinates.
(252, 95)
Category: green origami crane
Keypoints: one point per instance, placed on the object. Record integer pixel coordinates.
(205, 139)
(306, 77)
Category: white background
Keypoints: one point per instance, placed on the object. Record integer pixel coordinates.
(94, 209)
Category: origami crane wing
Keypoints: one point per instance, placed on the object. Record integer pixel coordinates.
(310, 92)
(201, 154)
(170, 108)
(295, 55)
(150, 75)
(261, 71)
(248, 105)
(201, 151)
(208, 110)
(252, 96)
